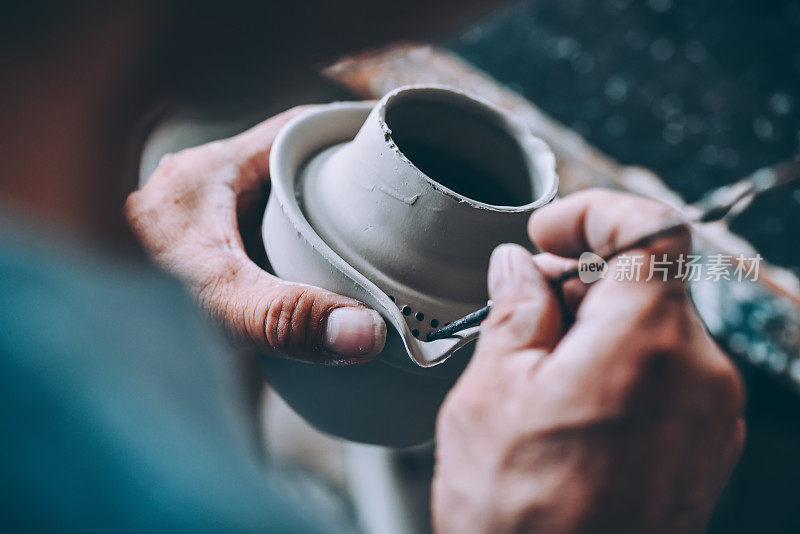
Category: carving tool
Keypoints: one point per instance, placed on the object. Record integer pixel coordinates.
(722, 204)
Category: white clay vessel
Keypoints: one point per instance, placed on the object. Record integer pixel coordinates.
(397, 204)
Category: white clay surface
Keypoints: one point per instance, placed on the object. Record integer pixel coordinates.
(349, 212)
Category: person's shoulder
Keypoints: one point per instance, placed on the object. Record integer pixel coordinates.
(124, 412)
(61, 289)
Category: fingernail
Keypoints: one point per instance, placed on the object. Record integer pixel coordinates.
(509, 266)
(355, 332)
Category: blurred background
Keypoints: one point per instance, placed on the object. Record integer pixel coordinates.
(700, 93)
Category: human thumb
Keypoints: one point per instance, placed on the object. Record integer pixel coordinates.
(293, 320)
(525, 311)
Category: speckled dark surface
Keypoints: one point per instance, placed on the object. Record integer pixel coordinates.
(701, 92)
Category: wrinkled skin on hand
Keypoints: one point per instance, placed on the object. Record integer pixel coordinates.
(628, 421)
(187, 217)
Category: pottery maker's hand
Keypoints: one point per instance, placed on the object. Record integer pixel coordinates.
(189, 217)
(628, 421)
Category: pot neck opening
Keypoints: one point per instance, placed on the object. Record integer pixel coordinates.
(462, 145)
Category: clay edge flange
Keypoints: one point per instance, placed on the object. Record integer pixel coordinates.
(422, 355)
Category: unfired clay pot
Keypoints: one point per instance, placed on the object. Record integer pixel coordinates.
(398, 205)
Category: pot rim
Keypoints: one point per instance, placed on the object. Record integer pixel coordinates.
(538, 157)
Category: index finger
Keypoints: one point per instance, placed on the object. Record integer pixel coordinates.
(250, 149)
(599, 221)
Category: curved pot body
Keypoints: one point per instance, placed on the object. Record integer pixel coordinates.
(398, 205)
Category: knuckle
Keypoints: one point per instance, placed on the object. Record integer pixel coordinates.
(157, 189)
(662, 215)
(522, 321)
(167, 163)
(665, 315)
(169, 167)
(659, 210)
(180, 184)
(143, 214)
(289, 318)
(174, 166)
(132, 206)
(655, 210)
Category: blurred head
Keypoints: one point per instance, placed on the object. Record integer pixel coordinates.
(81, 77)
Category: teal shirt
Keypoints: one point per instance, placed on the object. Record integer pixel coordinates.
(118, 410)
